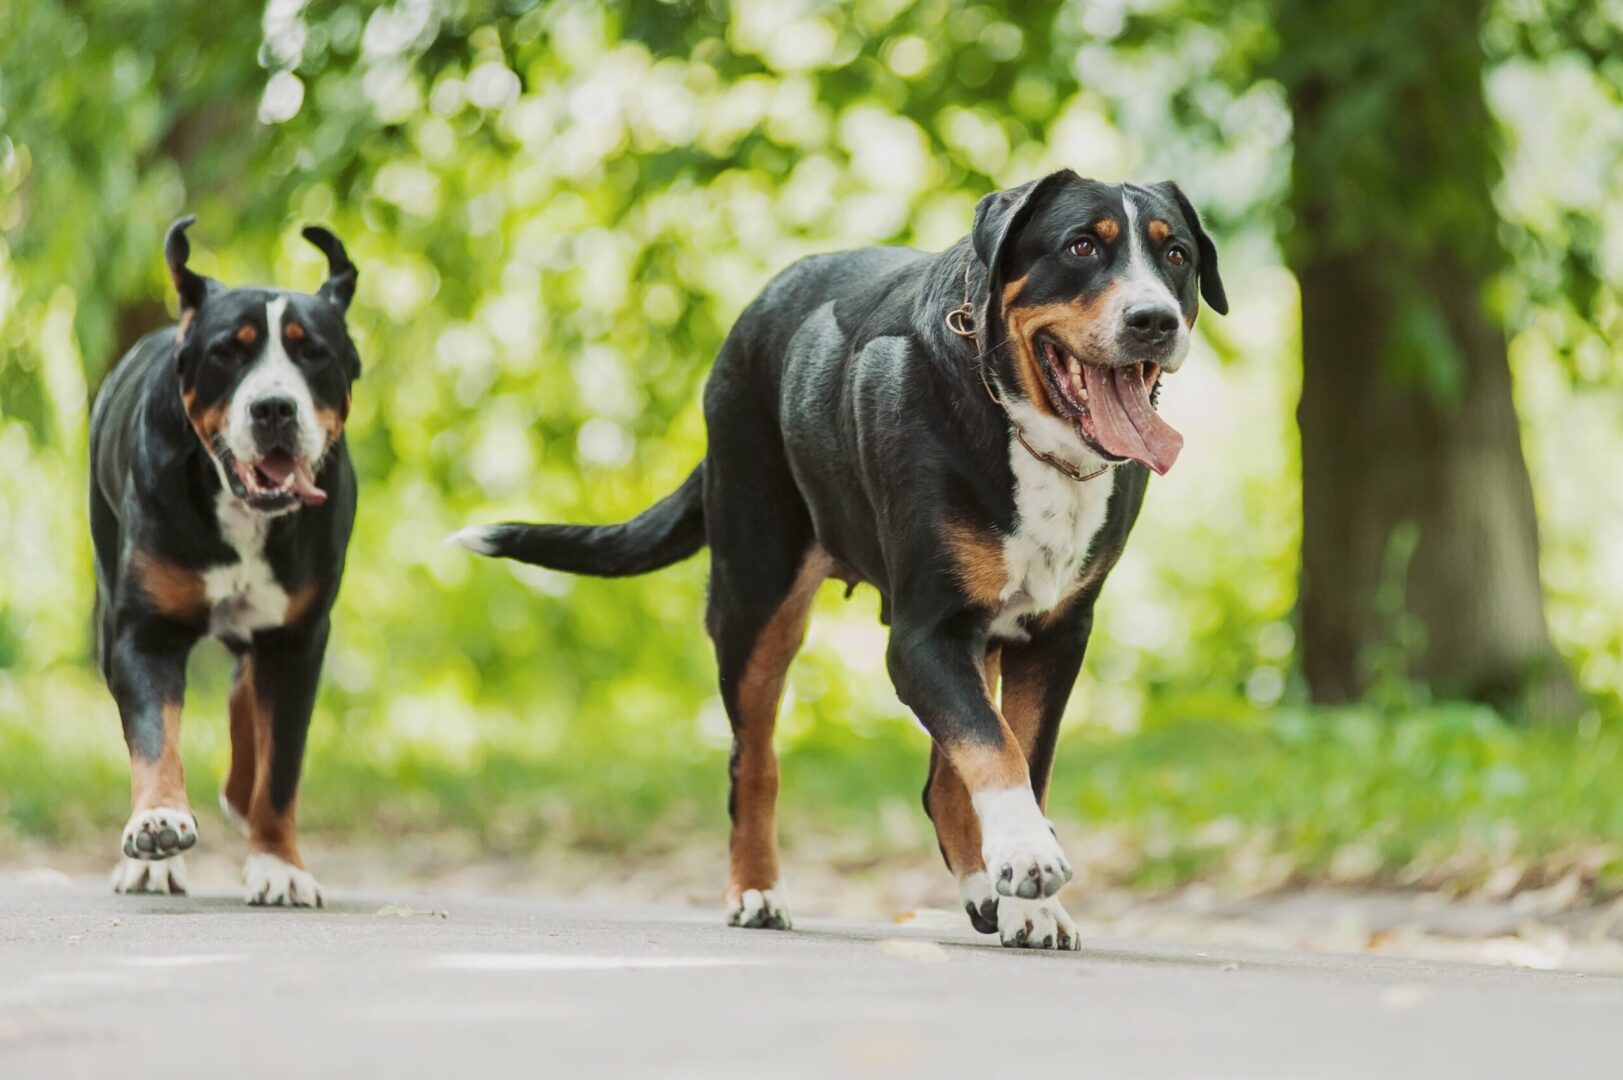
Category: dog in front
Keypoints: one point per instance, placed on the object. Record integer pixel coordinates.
(971, 433)
(221, 503)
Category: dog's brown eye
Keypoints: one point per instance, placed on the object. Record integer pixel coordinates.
(1083, 247)
(1175, 256)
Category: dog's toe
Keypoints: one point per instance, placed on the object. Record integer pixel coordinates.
(980, 901)
(1036, 924)
(761, 909)
(275, 882)
(166, 876)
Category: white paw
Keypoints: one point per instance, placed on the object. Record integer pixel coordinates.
(159, 833)
(1023, 858)
(147, 876)
(1036, 924)
(275, 882)
(975, 892)
(232, 815)
(764, 909)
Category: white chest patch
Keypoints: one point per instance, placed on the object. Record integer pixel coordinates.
(1056, 520)
(243, 596)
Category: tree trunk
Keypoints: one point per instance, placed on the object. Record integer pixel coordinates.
(1419, 541)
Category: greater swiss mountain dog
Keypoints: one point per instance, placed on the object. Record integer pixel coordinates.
(221, 503)
(970, 432)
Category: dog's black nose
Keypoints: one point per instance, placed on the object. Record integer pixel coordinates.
(1150, 324)
(274, 413)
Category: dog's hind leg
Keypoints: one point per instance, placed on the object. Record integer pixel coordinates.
(763, 578)
(754, 647)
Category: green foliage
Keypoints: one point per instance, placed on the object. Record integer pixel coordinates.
(557, 210)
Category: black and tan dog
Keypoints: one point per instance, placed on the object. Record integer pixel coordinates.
(971, 433)
(221, 502)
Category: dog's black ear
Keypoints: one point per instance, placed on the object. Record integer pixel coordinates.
(339, 288)
(193, 288)
(998, 216)
(1211, 284)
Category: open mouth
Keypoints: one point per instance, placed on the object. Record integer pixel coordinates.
(277, 479)
(1110, 406)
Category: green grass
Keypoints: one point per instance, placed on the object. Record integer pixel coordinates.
(1444, 798)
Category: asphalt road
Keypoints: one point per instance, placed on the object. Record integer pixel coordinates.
(447, 985)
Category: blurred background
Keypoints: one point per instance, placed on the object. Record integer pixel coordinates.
(1367, 632)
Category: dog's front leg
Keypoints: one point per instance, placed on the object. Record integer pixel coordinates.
(146, 672)
(937, 667)
(277, 696)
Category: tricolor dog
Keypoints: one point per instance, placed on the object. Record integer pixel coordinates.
(221, 502)
(971, 433)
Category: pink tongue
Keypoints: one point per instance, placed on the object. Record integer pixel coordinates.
(1124, 422)
(304, 484)
(276, 465)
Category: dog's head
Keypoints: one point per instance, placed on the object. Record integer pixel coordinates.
(265, 374)
(1095, 288)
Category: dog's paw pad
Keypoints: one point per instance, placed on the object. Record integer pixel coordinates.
(275, 882)
(762, 909)
(147, 876)
(1036, 924)
(980, 901)
(160, 833)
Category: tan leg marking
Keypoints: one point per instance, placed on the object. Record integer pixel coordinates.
(172, 590)
(239, 781)
(161, 782)
(1023, 694)
(977, 559)
(269, 830)
(957, 828)
(754, 848)
(300, 602)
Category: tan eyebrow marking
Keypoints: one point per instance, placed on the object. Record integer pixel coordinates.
(295, 332)
(1107, 229)
(1159, 231)
(247, 334)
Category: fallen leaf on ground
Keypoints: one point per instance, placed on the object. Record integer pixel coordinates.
(921, 952)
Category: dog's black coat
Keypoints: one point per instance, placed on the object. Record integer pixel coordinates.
(845, 416)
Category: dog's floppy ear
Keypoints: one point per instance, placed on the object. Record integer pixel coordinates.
(1211, 284)
(998, 216)
(193, 288)
(339, 288)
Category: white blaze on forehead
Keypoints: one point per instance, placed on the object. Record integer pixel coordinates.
(274, 375)
(1143, 285)
(1142, 280)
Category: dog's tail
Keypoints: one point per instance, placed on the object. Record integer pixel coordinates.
(667, 532)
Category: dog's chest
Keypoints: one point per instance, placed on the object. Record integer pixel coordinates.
(243, 596)
(1056, 521)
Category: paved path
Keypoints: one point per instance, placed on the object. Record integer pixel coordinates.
(93, 985)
